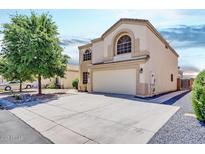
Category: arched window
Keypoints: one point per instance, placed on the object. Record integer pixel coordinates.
(124, 44)
(87, 55)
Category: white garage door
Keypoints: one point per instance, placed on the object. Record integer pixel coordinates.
(115, 81)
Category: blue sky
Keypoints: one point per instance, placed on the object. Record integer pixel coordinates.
(184, 29)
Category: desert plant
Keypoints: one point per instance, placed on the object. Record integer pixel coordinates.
(198, 96)
(75, 83)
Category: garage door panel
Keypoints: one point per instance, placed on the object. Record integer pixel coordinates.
(115, 81)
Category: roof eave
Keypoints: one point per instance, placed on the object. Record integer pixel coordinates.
(85, 46)
(126, 20)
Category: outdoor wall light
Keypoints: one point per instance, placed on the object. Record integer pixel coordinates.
(141, 70)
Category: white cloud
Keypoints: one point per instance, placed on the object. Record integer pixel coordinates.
(163, 18)
(192, 57)
(73, 53)
(70, 46)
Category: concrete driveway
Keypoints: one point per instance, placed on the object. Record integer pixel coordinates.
(92, 118)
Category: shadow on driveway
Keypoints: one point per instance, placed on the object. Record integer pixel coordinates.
(175, 98)
(8, 102)
(170, 101)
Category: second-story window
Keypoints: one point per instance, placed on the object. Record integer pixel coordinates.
(87, 55)
(124, 44)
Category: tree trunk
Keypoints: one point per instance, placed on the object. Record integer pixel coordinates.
(39, 85)
(20, 87)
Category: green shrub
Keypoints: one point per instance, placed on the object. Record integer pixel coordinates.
(198, 96)
(75, 83)
(53, 86)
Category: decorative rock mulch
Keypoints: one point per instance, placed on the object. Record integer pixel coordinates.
(22, 100)
(182, 127)
(19, 99)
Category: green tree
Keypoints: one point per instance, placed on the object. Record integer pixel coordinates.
(46, 59)
(11, 65)
(39, 51)
(11, 71)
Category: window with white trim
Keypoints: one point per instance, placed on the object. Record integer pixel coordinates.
(124, 44)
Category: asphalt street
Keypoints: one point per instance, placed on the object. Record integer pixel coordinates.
(15, 131)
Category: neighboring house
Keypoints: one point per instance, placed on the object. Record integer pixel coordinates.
(71, 74)
(131, 57)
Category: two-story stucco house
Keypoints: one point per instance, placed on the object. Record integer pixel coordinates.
(131, 57)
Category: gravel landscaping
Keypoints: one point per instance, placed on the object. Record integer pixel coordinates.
(182, 127)
(10, 100)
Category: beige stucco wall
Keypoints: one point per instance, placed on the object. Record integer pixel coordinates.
(122, 57)
(162, 63)
(139, 32)
(121, 81)
(97, 55)
(69, 77)
(101, 49)
(71, 74)
(83, 68)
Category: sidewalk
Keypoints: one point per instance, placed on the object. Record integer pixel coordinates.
(15, 131)
(168, 98)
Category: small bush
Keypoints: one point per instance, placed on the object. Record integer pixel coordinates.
(198, 96)
(75, 83)
(53, 86)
